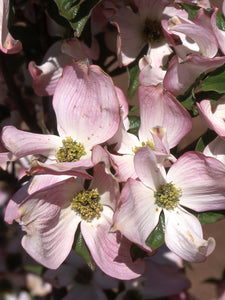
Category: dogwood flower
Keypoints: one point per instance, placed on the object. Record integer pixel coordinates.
(220, 34)
(87, 113)
(61, 53)
(194, 36)
(193, 182)
(181, 74)
(196, 47)
(201, 3)
(164, 122)
(137, 29)
(151, 65)
(51, 216)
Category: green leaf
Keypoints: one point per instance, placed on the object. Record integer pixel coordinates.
(209, 216)
(200, 146)
(205, 139)
(211, 95)
(188, 103)
(76, 12)
(192, 10)
(133, 108)
(82, 250)
(188, 98)
(134, 124)
(220, 21)
(53, 12)
(156, 238)
(68, 7)
(133, 71)
(214, 81)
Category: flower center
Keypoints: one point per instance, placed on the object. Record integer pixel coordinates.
(87, 205)
(70, 151)
(84, 275)
(152, 31)
(144, 144)
(167, 196)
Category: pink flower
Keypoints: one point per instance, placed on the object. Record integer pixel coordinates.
(151, 65)
(216, 149)
(87, 113)
(220, 34)
(194, 36)
(181, 74)
(196, 47)
(201, 3)
(194, 182)
(46, 76)
(137, 29)
(164, 122)
(52, 213)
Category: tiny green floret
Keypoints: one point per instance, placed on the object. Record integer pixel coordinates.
(144, 144)
(87, 205)
(70, 151)
(167, 196)
(152, 31)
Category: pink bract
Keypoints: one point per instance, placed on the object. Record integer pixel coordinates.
(220, 34)
(196, 36)
(181, 74)
(164, 122)
(213, 115)
(216, 149)
(87, 110)
(51, 226)
(200, 180)
(61, 53)
(131, 26)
